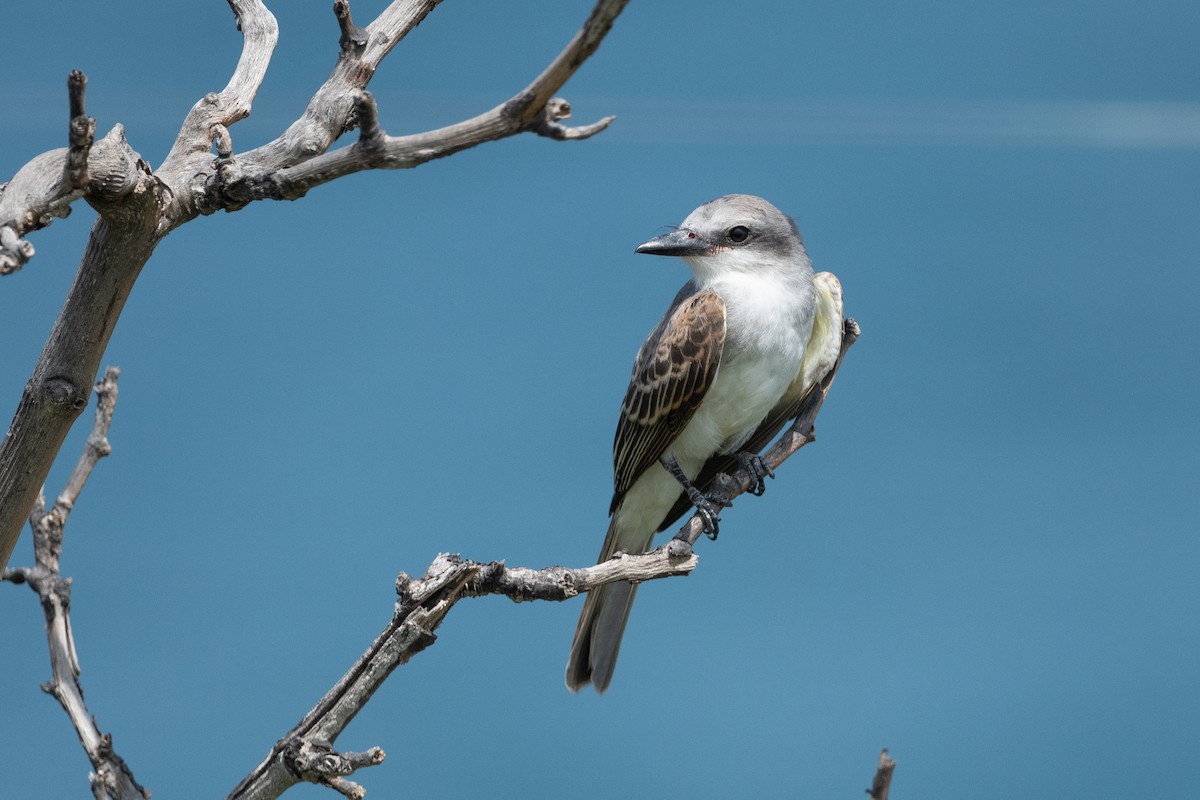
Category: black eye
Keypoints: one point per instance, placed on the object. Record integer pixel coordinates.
(738, 234)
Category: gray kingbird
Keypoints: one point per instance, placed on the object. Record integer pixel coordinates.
(729, 364)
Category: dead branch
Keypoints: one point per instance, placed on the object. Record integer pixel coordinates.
(112, 776)
(139, 207)
(422, 605)
(274, 172)
(883, 777)
(260, 33)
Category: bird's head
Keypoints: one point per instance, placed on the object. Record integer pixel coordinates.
(738, 232)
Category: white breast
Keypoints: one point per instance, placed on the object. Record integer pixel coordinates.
(768, 323)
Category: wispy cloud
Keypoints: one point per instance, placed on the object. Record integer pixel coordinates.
(1019, 123)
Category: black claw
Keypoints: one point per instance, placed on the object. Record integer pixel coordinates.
(708, 515)
(753, 464)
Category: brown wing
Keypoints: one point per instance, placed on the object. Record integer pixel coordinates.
(672, 373)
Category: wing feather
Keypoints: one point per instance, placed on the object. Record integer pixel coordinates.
(672, 373)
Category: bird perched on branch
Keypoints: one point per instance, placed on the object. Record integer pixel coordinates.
(729, 364)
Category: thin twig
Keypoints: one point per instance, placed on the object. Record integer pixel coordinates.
(83, 133)
(112, 777)
(352, 35)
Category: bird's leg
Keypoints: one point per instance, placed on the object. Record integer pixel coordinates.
(704, 507)
(753, 464)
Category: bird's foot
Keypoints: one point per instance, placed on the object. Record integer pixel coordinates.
(708, 511)
(706, 507)
(758, 469)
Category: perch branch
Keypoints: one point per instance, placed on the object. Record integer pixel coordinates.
(883, 777)
(112, 777)
(423, 603)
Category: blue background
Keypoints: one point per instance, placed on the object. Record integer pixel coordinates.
(986, 563)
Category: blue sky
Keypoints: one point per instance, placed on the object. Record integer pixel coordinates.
(986, 563)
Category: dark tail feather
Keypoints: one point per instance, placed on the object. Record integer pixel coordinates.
(598, 636)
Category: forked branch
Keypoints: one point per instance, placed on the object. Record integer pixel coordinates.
(275, 172)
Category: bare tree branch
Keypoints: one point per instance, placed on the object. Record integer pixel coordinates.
(139, 208)
(422, 605)
(260, 33)
(112, 777)
(120, 244)
(328, 114)
(533, 109)
(883, 777)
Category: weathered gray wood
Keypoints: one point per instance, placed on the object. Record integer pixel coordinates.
(423, 604)
(57, 392)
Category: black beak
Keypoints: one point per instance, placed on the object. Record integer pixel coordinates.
(681, 242)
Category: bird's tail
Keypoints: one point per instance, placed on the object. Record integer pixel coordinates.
(601, 625)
